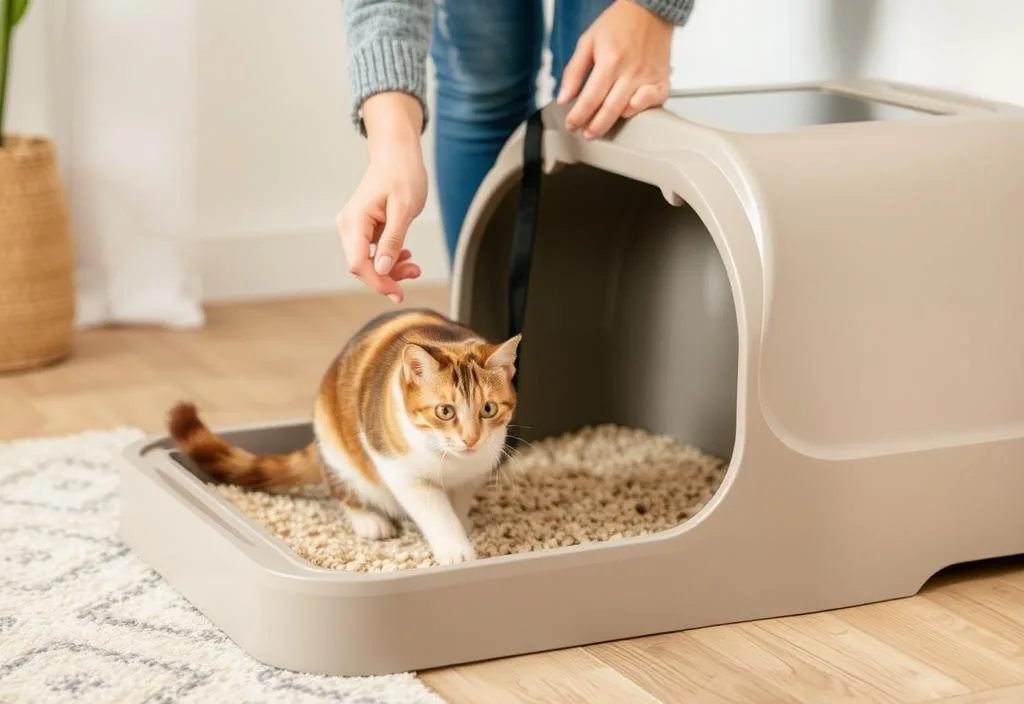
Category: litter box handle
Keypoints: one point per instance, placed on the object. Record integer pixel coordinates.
(521, 254)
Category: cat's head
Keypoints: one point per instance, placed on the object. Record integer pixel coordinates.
(459, 396)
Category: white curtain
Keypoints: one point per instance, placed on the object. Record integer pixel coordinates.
(113, 83)
(132, 160)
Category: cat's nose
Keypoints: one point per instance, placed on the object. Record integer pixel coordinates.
(470, 441)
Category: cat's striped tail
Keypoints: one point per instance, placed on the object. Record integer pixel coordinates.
(230, 464)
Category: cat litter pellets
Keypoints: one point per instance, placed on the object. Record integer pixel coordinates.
(599, 483)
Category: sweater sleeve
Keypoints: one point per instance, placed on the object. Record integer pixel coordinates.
(388, 42)
(675, 11)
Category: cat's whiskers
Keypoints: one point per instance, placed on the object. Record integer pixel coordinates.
(496, 473)
(511, 477)
(511, 454)
(505, 471)
(510, 451)
(521, 439)
(507, 465)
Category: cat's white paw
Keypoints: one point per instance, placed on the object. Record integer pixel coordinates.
(372, 525)
(454, 553)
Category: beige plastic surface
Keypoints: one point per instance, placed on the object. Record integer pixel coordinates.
(838, 308)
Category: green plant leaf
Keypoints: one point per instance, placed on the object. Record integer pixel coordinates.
(19, 7)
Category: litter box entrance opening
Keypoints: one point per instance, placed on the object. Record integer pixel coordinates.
(630, 318)
(630, 322)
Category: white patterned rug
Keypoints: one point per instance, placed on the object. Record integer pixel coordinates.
(83, 620)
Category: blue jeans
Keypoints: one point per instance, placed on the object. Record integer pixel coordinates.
(487, 54)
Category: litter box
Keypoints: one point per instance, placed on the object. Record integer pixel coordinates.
(819, 283)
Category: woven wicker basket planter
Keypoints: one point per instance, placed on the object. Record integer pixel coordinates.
(37, 286)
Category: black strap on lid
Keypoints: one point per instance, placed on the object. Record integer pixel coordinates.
(521, 251)
(521, 254)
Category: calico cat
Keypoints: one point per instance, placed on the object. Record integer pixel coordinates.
(409, 421)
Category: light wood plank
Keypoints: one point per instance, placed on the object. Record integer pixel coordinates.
(798, 675)
(978, 658)
(980, 603)
(727, 665)
(864, 657)
(568, 677)
(1003, 695)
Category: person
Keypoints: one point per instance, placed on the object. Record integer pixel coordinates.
(609, 56)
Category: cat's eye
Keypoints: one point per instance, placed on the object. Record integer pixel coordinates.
(489, 410)
(444, 411)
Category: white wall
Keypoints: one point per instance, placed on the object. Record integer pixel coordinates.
(972, 47)
(229, 126)
(735, 42)
(277, 152)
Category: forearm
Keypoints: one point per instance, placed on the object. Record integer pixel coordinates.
(675, 11)
(393, 121)
(388, 41)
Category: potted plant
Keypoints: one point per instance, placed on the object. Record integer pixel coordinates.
(37, 292)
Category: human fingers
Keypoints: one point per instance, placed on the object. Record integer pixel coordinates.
(404, 257)
(611, 109)
(400, 214)
(649, 95)
(357, 228)
(599, 82)
(386, 285)
(406, 270)
(575, 71)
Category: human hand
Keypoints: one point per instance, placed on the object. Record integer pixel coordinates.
(627, 51)
(393, 191)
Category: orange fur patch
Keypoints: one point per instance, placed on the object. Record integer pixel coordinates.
(225, 462)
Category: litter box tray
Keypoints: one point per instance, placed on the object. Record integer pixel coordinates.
(819, 284)
(290, 613)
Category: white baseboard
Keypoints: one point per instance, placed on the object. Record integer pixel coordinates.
(255, 266)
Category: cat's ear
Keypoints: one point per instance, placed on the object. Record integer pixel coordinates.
(504, 356)
(418, 363)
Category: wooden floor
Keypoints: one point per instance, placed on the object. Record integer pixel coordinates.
(961, 640)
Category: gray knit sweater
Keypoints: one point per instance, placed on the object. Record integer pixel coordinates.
(388, 43)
